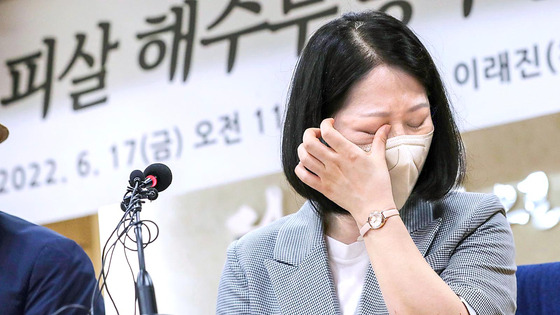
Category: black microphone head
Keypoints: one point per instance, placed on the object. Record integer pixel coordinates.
(152, 194)
(162, 174)
(136, 176)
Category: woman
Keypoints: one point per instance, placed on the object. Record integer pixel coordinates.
(370, 141)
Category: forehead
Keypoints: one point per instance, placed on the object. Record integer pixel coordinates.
(386, 89)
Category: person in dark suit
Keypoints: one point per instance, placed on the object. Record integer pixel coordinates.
(369, 139)
(43, 272)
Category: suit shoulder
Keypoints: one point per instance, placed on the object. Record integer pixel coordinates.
(30, 236)
(261, 238)
(469, 206)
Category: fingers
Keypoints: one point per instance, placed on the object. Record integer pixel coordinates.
(311, 153)
(334, 138)
(311, 133)
(309, 161)
(314, 146)
(307, 177)
(380, 140)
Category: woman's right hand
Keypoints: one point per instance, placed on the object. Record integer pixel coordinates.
(356, 180)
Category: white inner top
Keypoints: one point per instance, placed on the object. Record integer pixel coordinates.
(348, 265)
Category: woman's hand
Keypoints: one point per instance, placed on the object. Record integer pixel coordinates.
(356, 180)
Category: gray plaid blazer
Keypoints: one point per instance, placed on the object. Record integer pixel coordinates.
(283, 268)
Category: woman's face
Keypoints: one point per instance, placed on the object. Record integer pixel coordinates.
(386, 95)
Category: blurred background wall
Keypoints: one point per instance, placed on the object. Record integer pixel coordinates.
(92, 90)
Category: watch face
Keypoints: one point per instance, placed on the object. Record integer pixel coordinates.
(375, 220)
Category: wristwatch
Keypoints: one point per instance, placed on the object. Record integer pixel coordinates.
(376, 220)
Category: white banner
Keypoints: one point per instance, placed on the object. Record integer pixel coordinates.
(91, 91)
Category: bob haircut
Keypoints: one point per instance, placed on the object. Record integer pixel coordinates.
(340, 54)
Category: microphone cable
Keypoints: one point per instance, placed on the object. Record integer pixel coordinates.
(131, 205)
(121, 233)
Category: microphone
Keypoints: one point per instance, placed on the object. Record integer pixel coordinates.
(135, 177)
(157, 176)
(143, 185)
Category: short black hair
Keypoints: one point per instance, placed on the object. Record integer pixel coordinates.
(337, 56)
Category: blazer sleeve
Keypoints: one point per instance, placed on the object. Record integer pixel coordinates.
(62, 275)
(233, 293)
(482, 268)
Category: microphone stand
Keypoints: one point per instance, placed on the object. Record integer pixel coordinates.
(144, 285)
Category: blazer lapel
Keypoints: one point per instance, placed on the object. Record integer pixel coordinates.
(372, 302)
(424, 236)
(421, 223)
(299, 271)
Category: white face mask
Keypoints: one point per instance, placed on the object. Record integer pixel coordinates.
(405, 157)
